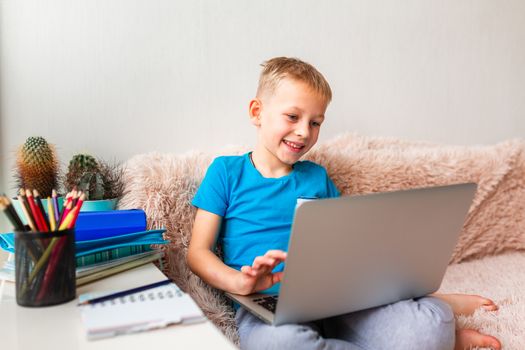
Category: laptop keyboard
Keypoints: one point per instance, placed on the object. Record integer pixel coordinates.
(269, 302)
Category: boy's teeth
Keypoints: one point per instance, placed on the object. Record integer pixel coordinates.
(294, 145)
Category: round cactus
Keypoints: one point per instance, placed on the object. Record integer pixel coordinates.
(37, 166)
(84, 173)
(83, 162)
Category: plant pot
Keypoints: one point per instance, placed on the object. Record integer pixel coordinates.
(99, 205)
(20, 212)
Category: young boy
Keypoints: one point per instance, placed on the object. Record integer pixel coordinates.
(246, 204)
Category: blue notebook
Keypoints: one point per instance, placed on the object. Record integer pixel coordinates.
(136, 238)
(100, 224)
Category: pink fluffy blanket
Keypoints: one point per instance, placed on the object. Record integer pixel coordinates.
(164, 184)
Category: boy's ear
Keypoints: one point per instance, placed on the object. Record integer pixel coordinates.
(255, 111)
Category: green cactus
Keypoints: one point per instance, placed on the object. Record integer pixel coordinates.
(37, 166)
(84, 173)
(83, 161)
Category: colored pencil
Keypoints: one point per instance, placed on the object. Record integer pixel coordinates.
(34, 211)
(7, 208)
(64, 209)
(74, 215)
(81, 198)
(55, 206)
(12, 210)
(76, 194)
(78, 207)
(29, 217)
(51, 212)
(67, 220)
(38, 201)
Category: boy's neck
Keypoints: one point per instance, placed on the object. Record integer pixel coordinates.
(268, 165)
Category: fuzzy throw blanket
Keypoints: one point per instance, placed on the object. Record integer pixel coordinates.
(164, 184)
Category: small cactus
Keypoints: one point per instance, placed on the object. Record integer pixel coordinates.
(84, 173)
(37, 166)
(97, 178)
(84, 162)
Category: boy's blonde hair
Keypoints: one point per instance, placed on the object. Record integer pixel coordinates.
(278, 68)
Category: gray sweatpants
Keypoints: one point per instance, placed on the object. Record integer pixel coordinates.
(425, 323)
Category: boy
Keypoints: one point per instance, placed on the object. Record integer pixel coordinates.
(246, 204)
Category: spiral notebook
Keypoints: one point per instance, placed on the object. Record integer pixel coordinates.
(149, 309)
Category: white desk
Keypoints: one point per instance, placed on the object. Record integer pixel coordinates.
(60, 327)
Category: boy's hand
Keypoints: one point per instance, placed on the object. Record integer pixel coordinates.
(259, 276)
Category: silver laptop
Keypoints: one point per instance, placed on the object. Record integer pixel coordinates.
(352, 253)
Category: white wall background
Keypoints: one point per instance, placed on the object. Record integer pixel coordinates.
(121, 77)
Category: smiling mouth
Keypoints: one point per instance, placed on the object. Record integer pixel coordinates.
(296, 147)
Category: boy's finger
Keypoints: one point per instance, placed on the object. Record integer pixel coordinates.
(277, 277)
(276, 254)
(257, 262)
(261, 261)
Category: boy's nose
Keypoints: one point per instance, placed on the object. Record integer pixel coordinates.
(302, 130)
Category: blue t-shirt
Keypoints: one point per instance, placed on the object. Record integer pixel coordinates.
(257, 211)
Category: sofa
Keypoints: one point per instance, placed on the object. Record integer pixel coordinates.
(489, 258)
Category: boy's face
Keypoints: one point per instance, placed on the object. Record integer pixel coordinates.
(288, 121)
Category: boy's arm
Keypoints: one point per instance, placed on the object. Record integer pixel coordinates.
(201, 259)
(204, 263)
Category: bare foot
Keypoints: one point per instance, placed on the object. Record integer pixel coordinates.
(470, 338)
(466, 304)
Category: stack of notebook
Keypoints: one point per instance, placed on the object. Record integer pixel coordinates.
(107, 242)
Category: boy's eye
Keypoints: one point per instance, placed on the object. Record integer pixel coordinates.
(292, 117)
(315, 124)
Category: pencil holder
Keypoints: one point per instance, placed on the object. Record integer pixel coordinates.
(45, 267)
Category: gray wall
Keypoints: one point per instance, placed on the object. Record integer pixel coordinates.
(117, 78)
